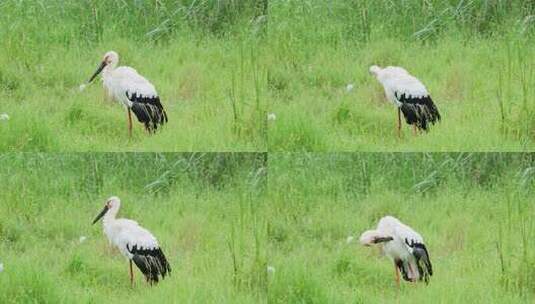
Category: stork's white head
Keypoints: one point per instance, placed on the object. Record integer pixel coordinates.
(372, 237)
(113, 202)
(112, 207)
(110, 59)
(374, 70)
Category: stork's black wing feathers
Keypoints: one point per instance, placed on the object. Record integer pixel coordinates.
(151, 262)
(419, 111)
(148, 110)
(420, 253)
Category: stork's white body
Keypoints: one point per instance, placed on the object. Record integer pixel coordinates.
(124, 233)
(409, 95)
(124, 81)
(397, 81)
(399, 243)
(397, 249)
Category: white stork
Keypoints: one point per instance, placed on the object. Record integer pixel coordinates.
(409, 95)
(133, 91)
(134, 242)
(404, 246)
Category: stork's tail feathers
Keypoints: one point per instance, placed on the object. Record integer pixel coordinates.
(423, 262)
(419, 111)
(151, 262)
(148, 111)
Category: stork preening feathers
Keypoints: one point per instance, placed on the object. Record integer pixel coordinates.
(404, 246)
(409, 95)
(133, 91)
(134, 242)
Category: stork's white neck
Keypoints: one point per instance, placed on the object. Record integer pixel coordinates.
(108, 69)
(375, 70)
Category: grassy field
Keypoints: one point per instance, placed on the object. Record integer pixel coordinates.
(277, 77)
(474, 57)
(203, 58)
(203, 208)
(221, 66)
(221, 227)
(475, 212)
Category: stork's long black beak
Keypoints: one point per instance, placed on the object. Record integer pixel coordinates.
(382, 239)
(99, 69)
(101, 214)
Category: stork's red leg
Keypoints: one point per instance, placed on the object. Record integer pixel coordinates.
(397, 276)
(129, 123)
(412, 273)
(131, 275)
(399, 123)
(414, 130)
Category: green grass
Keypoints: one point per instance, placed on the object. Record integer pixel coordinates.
(203, 208)
(473, 56)
(204, 62)
(221, 224)
(474, 211)
(221, 66)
